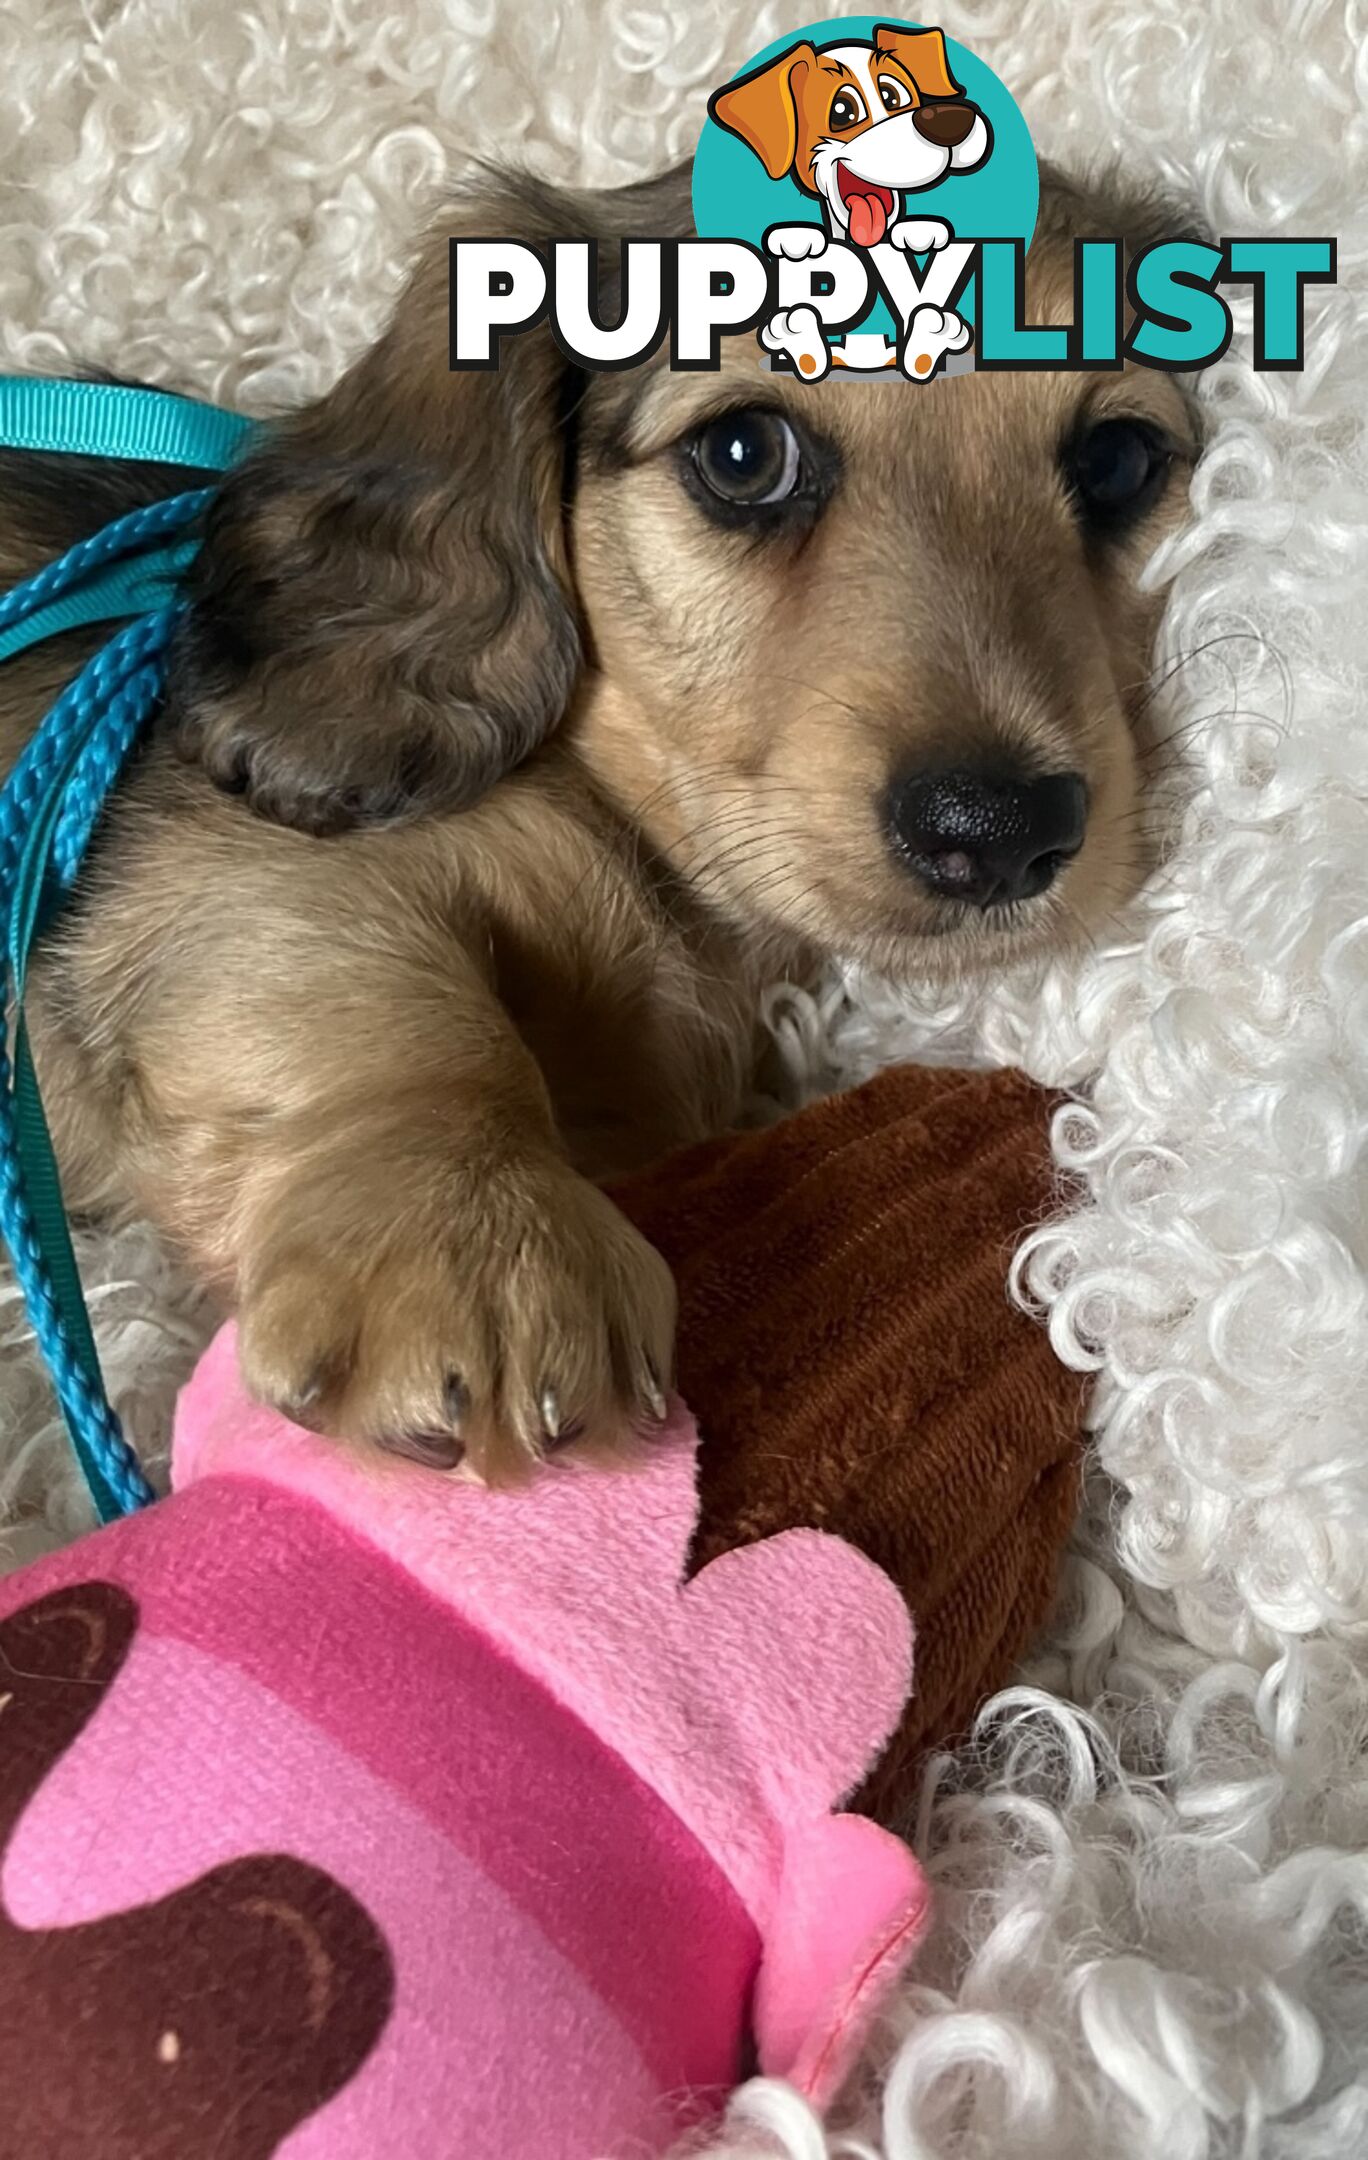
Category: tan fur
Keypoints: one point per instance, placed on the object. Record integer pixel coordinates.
(365, 1080)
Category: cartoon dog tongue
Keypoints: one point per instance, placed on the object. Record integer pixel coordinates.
(868, 218)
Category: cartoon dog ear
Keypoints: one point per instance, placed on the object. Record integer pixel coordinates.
(383, 621)
(923, 54)
(762, 108)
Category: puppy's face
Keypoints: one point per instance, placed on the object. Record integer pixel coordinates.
(863, 662)
(868, 660)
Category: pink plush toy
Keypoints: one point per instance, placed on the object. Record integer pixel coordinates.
(349, 1811)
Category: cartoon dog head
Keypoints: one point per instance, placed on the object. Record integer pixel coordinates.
(858, 124)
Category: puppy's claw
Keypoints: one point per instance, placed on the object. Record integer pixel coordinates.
(518, 1333)
(455, 1399)
(301, 1405)
(434, 1450)
(653, 1396)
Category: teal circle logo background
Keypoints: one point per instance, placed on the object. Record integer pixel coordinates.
(735, 199)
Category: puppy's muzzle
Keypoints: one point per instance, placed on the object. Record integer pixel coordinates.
(947, 123)
(987, 840)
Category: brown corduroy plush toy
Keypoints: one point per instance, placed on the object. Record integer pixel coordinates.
(408, 1729)
(849, 1349)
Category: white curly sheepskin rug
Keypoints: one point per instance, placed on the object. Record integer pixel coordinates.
(1151, 1870)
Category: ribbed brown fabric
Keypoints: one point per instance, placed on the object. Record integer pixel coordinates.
(849, 1350)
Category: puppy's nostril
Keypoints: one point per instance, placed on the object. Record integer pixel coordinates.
(955, 872)
(987, 840)
(945, 124)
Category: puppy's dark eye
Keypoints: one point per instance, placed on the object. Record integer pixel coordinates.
(896, 95)
(749, 459)
(847, 107)
(1116, 469)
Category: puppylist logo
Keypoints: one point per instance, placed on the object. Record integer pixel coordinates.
(864, 197)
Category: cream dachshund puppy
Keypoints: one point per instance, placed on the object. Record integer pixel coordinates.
(524, 725)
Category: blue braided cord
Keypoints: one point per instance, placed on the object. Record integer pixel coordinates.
(134, 586)
(67, 771)
(51, 804)
(85, 1407)
(73, 718)
(103, 758)
(65, 775)
(126, 536)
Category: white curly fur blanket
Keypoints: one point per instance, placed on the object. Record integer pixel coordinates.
(1153, 1889)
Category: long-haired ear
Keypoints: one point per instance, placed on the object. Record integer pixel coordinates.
(382, 619)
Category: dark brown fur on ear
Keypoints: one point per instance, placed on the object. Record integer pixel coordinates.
(383, 620)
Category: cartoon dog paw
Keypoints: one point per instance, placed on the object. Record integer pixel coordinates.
(796, 243)
(921, 235)
(798, 332)
(931, 334)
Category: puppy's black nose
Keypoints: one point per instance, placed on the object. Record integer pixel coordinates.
(945, 124)
(987, 840)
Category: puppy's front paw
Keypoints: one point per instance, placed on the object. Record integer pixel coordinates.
(931, 334)
(921, 236)
(535, 1319)
(796, 243)
(797, 332)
